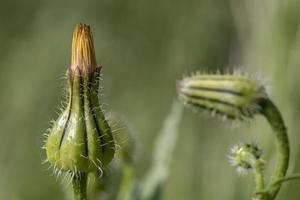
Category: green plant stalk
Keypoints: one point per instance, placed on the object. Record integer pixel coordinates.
(127, 183)
(287, 178)
(272, 114)
(259, 177)
(79, 182)
(259, 181)
(165, 145)
(279, 181)
(257, 167)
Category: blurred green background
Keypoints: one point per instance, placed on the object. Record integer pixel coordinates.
(145, 47)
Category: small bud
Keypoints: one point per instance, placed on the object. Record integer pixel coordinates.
(244, 155)
(81, 139)
(234, 96)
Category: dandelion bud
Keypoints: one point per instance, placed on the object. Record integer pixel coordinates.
(234, 96)
(81, 139)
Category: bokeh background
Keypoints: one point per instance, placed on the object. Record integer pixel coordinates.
(145, 47)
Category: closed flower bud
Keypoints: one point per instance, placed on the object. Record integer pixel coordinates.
(234, 96)
(244, 155)
(81, 139)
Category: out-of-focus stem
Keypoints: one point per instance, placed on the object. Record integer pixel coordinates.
(127, 183)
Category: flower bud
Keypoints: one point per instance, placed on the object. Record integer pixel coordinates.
(81, 139)
(234, 96)
(244, 155)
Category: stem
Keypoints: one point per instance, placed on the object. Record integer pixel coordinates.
(257, 168)
(259, 177)
(259, 181)
(260, 193)
(272, 114)
(287, 178)
(165, 144)
(79, 182)
(127, 183)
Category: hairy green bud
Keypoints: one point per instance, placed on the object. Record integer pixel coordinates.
(244, 155)
(234, 96)
(81, 139)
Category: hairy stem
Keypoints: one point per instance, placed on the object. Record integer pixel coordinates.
(270, 111)
(257, 168)
(79, 182)
(259, 181)
(259, 177)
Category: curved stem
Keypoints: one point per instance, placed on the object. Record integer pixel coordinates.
(79, 182)
(257, 168)
(259, 182)
(259, 177)
(272, 114)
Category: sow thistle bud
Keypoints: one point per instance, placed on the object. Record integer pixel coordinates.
(233, 96)
(81, 139)
(244, 156)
